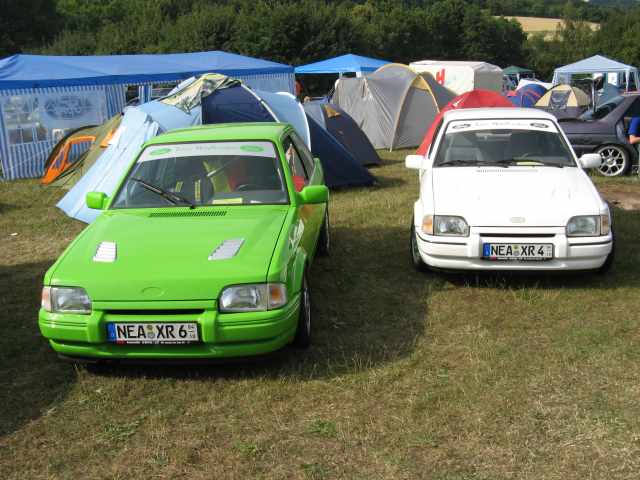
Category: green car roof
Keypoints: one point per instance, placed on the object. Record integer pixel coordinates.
(224, 131)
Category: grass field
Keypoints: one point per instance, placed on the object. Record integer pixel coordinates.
(546, 26)
(411, 376)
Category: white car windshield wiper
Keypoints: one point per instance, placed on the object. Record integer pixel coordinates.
(525, 160)
(459, 163)
(171, 197)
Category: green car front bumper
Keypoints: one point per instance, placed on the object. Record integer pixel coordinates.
(221, 335)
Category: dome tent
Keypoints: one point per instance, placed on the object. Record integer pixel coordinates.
(564, 101)
(473, 99)
(393, 105)
(241, 104)
(528, 95)
(339, 124)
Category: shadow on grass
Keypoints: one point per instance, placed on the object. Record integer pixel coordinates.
(383, 182)
(6, 207)
(625, 271)
(369, 309)
(32, 378)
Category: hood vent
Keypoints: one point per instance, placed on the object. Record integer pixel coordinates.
(227, 249)
(106, 252)
(190, 213)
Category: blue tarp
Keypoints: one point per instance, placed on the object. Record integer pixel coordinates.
(37, 71)
(342, 64)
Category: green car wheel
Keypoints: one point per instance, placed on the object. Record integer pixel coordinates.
(303, 332)
(324, 241)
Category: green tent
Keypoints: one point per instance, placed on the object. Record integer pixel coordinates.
(513, 70)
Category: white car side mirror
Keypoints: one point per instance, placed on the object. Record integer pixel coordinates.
(590, 160)
(413, 161)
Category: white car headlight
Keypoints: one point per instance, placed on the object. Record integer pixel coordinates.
(446, 225)
(588, 226)
(253, 297)
(66, 300)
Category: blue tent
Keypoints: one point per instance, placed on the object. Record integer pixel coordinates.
(344, 129)
(342, 64)
(43, 97)
(240, 104)
(528, 95)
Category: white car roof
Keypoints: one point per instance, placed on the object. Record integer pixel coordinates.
(496, 113)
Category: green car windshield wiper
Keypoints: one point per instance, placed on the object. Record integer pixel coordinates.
(169, 196)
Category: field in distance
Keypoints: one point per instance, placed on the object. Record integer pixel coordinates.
(548, 26)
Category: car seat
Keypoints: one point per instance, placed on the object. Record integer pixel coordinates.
(464, 147)
(192, 181)
(525, 143)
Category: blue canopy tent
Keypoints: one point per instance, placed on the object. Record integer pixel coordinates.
(43, 97)
(348, 63)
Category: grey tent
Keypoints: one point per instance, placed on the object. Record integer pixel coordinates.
(394, 106)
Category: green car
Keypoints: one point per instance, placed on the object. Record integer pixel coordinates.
(202, 252)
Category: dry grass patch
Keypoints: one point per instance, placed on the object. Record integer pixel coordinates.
(411, 376)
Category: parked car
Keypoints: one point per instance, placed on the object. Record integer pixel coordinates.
(203, 251)
(501, 189)
(604, 131)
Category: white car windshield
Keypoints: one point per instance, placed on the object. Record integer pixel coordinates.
(501, 143)
(195, 174)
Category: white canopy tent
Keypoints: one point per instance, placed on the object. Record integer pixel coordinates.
(461, 77)
(617, 73)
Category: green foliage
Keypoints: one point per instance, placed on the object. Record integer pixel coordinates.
(297, 32)
(26, 24)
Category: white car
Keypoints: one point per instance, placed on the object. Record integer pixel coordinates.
(502, 189)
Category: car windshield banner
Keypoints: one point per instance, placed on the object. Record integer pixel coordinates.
(215, 149)
(501, 124)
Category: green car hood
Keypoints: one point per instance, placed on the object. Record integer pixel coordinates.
(163, 254)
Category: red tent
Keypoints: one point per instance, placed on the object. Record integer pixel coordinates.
(473, 99)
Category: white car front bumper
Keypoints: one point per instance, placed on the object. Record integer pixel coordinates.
(576, 253)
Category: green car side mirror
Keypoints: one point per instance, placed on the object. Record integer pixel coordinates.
(314, 194)
(97, 200)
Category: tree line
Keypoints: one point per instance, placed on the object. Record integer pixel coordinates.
(298, 32)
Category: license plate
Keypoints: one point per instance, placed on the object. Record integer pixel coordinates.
(517, 251)
(156, 333)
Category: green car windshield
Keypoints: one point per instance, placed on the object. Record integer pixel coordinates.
(204, 173)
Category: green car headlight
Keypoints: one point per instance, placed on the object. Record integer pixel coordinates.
(587, 225)
(66, 300)
(256, 297)
(450, 226)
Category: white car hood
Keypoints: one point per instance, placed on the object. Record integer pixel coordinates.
(514, 196)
